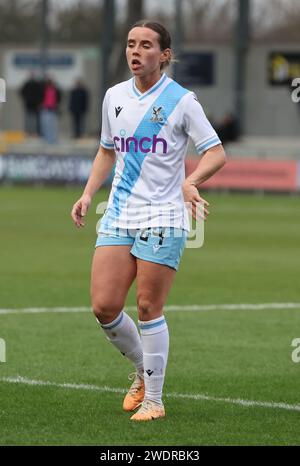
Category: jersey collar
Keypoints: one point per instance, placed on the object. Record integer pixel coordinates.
(152, 89)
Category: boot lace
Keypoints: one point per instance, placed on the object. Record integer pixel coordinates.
(137, 383)
(146, 406)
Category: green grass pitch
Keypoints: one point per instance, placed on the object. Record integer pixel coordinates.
(250, 255)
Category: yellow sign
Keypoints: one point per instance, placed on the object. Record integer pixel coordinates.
(283, 68)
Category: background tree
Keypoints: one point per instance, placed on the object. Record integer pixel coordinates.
(80, 21)
(19, 21)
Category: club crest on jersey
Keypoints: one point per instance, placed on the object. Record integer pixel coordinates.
(156, 115)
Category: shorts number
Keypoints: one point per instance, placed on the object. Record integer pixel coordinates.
(145, 234)
(160, 233)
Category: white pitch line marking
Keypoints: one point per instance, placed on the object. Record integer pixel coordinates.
(197, 397)
(172, 308)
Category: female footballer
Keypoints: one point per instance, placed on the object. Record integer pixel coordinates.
(146, 123)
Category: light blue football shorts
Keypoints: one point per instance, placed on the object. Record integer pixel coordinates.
(162, 245)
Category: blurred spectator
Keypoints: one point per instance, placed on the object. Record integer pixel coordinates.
(32, 95)
(228, 130)
(49, 111)
(78, 106)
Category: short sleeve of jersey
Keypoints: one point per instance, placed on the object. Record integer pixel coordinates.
(197, 126)
(106, 138)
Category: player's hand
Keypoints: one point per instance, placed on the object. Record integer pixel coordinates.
(196, 205)
(80, 209)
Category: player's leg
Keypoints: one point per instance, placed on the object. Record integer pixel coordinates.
(113, 271)
(153, 285)
(158, 252)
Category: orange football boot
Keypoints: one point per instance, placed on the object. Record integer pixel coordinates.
(149, 411)
(135, 394)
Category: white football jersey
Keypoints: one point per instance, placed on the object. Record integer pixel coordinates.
(149, 133)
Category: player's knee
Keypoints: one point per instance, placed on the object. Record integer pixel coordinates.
(148, 309)
(106, 311)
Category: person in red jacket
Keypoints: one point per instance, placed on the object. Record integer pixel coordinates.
(49, 109)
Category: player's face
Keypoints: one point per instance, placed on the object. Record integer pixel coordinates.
(143, 52)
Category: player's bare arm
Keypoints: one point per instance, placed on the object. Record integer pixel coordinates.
(213, 159)
(101, 169)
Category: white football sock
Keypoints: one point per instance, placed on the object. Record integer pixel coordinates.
(123, 334)
(155, 343)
